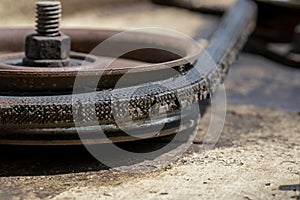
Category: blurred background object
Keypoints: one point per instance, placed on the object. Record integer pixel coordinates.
(114, 14)
(23, 11)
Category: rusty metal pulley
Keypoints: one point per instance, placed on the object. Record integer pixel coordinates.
(36, 87)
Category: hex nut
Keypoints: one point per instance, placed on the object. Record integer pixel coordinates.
(47, 48)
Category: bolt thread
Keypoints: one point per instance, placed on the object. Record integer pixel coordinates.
(48, 14)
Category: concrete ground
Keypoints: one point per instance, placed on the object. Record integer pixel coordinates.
(258, 152)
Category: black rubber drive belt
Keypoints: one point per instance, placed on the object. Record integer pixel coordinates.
(224, 46)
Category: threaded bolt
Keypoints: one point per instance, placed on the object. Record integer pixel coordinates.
(49, 47)
(48, 14)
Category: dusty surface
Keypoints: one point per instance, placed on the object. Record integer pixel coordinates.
(262, 157)
(259, 149)
(258, 152)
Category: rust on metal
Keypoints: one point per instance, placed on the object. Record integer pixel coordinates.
(23, 110)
